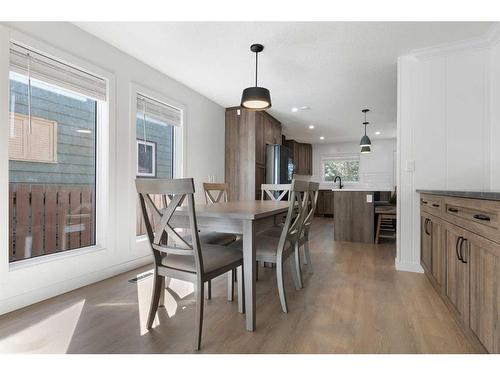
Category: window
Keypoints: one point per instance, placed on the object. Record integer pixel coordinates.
(146, 158)
(52, 155)
(156, 124)
(38, 144)
(347, 167)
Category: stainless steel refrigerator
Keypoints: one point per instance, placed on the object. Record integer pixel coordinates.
(279, 164)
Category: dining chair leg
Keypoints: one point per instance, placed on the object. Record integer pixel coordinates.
(281, 284)
(307, 255)
(298, 271)
(155, 299)
(200, 289)
(241, 290)
(230, 285)
(208, 286)
(161, 302)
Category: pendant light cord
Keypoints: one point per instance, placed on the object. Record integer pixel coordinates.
(256, 66)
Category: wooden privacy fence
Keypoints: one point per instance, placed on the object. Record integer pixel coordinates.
(45, 219)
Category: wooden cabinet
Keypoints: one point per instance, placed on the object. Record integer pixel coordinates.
(247, 133)
(432, 249)
(302, 157)
(456, 251)
(425, 243)
(457, 275)
(484, 265)
(260, 144)
(324, 205)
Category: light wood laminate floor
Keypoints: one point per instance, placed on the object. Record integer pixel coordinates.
(353, 302)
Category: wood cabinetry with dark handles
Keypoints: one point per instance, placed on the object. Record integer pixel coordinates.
(247, 134)
(302, 157)
(460, 253)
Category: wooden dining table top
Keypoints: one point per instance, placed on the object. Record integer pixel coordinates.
(242, 210)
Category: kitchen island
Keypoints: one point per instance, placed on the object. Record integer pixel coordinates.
(354, 214)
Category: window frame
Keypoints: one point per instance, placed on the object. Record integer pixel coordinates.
(140, 243)
(103, 148)
(340, 157)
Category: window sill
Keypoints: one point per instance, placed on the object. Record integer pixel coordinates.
(33, 262)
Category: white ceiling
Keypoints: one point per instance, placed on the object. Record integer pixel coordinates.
(335, 68)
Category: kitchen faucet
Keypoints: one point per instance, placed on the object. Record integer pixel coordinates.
(340, 181)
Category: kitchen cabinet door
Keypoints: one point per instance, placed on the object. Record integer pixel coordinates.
(320, 205)
(276, 132)
(457, 272)
(260, 145)
(484, 263)
(425, 243)
(328, 202)
(437, 252)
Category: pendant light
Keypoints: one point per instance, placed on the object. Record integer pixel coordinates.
(256, 98)
(365, 142)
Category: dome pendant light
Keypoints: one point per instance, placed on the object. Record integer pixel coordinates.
(365, 143)
(256, 98)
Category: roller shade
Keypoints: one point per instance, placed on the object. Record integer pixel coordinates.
(54, 72)
(158, 111)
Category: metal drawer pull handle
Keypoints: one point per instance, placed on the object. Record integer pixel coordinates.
(459, 239)
(482, 217)
(451, 209)
(435, 205)
(461, 252)
(424, 202)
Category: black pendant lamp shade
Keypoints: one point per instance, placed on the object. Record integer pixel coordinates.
(365, 142)
(256, 98)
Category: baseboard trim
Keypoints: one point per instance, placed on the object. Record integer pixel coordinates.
(38, 295)
(408, 267)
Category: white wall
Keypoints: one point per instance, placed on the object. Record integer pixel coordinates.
(448, 129)
(376, 170)
(204, 156)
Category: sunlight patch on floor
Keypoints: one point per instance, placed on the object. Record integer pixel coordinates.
(181, 288)
(51, 335)
(144, 292)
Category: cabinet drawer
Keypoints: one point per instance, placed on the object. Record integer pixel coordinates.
(480, 217)
(432, 204)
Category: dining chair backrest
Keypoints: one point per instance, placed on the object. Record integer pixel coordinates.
(215, 192)
(292, 227)
(275, 192)
(163, 237)
(310, 206)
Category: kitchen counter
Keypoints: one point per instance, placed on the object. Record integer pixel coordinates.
(486, 195)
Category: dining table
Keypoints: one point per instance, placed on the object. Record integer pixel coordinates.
(244, 218)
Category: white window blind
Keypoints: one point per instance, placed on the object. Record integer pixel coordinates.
(57, 73)
(161, 112)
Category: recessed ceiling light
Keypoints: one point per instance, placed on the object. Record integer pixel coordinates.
(295, 109)
(311, 126)
(84, 131)
(321, 137)
(377, 133)
(305, 108)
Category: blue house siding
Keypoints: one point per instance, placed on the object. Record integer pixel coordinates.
(75, 151)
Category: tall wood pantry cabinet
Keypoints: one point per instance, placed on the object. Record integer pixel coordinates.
(247, 134)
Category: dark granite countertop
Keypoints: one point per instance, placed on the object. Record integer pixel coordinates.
(487, 195)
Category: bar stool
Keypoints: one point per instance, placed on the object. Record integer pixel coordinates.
(386, 223)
